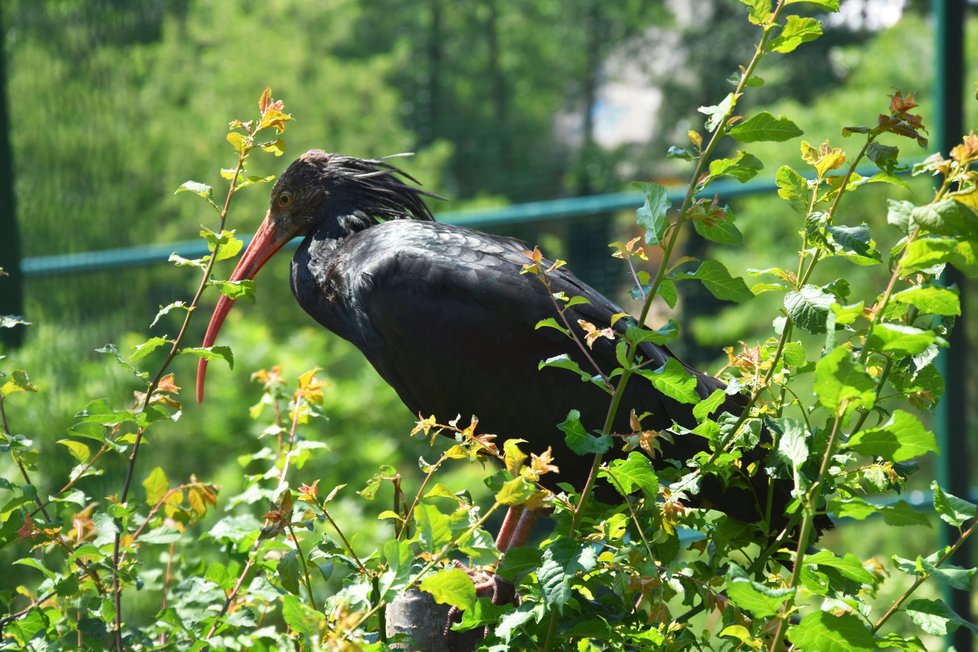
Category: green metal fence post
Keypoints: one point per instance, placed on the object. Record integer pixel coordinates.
(11, 286)
(952, 423)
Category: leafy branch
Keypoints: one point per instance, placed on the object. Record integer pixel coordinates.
(271, 116)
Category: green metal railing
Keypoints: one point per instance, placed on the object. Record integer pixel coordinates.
(556, 209)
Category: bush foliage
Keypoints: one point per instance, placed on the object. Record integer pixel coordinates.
(171, 562)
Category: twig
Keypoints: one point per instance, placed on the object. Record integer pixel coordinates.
(14, 616)
(88, 570)
(302, 561)
(923, 577)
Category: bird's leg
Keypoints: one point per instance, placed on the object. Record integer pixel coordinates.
(509, 527)
(515, 530)
(516, 527)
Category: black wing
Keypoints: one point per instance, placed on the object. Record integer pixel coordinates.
(445, 316)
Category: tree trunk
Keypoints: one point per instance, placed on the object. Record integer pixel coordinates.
(11, 286)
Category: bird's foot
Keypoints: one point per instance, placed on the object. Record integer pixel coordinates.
(487, 585)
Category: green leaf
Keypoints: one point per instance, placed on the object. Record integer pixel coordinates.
(564, 361)
(201, 189)
(18, 382)
(794, 354)
(901, 438)
(653, 216)
(765, 127)
(808, 308)
(36, 565)
(884, 156)
(897, 514)
(516, 491)
(758, 11)
(930, 299)
(949, 574)
(674, 380)
(164, 310)
(99, 411)
(667, 292)
(935, 617)
(562, 560)
(212, 353)
(924, 253)
(838, 380)
(725, 232)
(518, 562)
(156, 485)
(955, 577)
(950, 508)
(235, 290)
(760, 600)
(848, 313)
(828, 5)
(883, 177)
(825, 632)
(142, 350)
(898, 214)
(238, 141)
(797, 30)
(900, 338)
(632, 473)
(849, 566)
(78, 450)
(301, 618)
(793, 188)
(709, 405)
(579, 440)
(946, 217)
(288, 572)
(682, 153)
(856, 243)
(513, 621)
(662, 335)
(743, 167)
(452, 586)
(716, 113)
(715, 277)
(434, 527)
(550, 322)
(230, 248)
(161, 534)
(792, 445)
(180, 261)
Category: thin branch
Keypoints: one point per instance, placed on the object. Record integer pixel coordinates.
(302, 561)
(924, 576)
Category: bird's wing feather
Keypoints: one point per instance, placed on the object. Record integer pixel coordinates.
(450, 323)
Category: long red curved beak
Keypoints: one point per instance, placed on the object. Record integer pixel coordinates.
(267, 240)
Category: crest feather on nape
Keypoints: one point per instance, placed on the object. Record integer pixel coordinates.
(381, 190)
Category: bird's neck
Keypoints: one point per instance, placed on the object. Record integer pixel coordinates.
(332, 232)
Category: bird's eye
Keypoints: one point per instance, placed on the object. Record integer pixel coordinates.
(284, 199)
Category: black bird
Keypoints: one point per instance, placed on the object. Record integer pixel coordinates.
(445, 317)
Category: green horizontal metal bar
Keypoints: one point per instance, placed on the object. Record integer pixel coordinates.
(555, 209)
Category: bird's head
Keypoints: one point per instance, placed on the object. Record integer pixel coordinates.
(339, 194)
